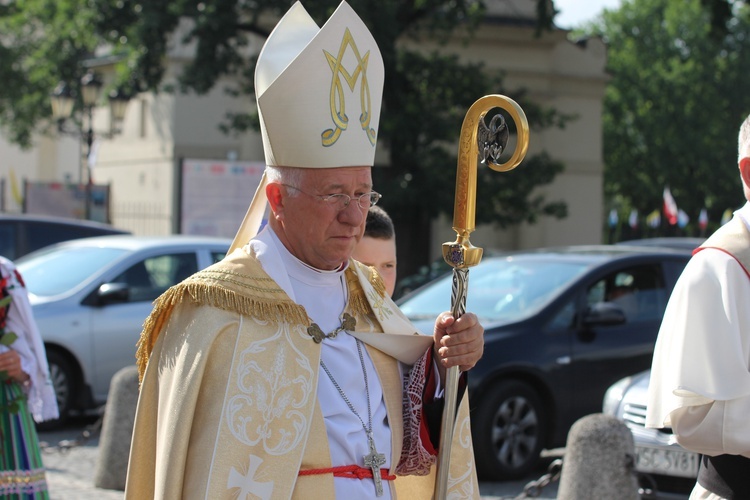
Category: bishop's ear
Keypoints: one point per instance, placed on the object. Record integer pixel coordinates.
(745, 170)
(275, 197)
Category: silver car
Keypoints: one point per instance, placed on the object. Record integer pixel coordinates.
(90, 298)
(665, 467)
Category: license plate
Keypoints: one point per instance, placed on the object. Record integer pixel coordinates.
(669, 462)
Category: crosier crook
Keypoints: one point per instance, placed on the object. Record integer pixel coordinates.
(485, 144)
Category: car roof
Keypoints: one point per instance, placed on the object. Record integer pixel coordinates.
(131, 242)
(60, 220)
(594, 252)
(683, 242)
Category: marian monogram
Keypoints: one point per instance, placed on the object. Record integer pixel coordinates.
(337, 99)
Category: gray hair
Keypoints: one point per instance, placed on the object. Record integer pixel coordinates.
(743, 142)
(290, 176)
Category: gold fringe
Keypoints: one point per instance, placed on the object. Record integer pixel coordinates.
(239, 284)
(358, 302)
(212, 295)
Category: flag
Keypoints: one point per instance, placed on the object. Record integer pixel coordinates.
(682, 218)
(15, 190)
(653, 219)
(613, 218)
(91, 160)
(703, 220)
(633, 219)
(726, 216)
(670, 207)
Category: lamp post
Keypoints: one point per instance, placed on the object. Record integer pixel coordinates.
(63, 101)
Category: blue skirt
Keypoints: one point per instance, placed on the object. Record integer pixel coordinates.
(21, 469)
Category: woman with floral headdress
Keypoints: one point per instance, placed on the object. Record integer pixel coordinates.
(26, 392)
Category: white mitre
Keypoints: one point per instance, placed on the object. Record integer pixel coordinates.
(319, 92)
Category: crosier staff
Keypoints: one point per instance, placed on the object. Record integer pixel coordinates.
(478, 143)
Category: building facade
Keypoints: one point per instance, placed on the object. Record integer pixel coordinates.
(142, 163)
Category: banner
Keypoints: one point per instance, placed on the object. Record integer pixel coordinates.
(67, 200)
(215, 195)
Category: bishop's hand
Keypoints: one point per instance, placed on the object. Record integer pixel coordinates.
(458, 342)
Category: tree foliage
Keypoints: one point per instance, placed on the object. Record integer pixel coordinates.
(674, 104)
(426, 95)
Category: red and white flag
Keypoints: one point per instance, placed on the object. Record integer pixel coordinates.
(670, 207)
(633, 219)
(703, 219)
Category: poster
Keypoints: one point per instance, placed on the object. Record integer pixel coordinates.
(215, 194)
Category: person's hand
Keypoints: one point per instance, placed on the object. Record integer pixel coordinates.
(10, 362)
(458, 342)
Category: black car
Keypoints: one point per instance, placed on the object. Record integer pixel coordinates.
(23, 233)
(561, 326)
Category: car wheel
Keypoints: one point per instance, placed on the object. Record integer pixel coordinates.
(63, 380)
(508, 429)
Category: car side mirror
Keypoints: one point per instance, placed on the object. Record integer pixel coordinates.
(110, 293)
(603, 314)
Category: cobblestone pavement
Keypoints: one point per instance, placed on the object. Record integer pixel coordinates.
(70, 475)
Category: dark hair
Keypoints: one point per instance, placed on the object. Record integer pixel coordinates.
(379, 224)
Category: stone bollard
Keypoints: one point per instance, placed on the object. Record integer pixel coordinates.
(599, 459)
(117, 430)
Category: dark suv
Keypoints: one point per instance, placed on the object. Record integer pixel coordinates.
(561, 326)
(23, 233)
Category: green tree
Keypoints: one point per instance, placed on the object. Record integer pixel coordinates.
(674, 104)
(425, 98)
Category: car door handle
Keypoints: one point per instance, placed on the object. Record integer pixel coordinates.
(563, 360)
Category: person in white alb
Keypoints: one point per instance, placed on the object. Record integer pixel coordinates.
(700, 376)
(285, 370)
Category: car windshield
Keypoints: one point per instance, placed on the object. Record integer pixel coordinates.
(53, 271)
(504, 289)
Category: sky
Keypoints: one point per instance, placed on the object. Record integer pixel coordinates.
(574, 12)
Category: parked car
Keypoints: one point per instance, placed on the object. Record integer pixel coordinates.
(22, 233)
(424, 275)
(561, 326)
(684, 242)
(666, 467)
(90, 297)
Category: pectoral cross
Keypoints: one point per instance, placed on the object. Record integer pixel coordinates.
(374, 460)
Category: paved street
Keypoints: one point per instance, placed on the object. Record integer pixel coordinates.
(70, 473)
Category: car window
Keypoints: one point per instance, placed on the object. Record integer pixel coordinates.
(639, 291)
(217, 256)
(41, 234)
(53, 271)
(151, 277)
(8, 240)
(563, 320)
(502, 289)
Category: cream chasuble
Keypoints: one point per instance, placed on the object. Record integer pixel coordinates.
(228, 405)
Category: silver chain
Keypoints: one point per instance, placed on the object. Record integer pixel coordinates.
(368, 429)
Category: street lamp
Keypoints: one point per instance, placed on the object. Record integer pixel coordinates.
(63, 100)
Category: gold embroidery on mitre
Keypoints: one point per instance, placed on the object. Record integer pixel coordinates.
(338, 113)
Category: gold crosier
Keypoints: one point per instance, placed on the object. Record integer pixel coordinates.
(478, 143)
(340, 120)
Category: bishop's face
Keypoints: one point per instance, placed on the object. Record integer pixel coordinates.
(321, 233)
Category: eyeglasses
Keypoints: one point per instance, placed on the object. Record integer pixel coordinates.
(341, 200)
